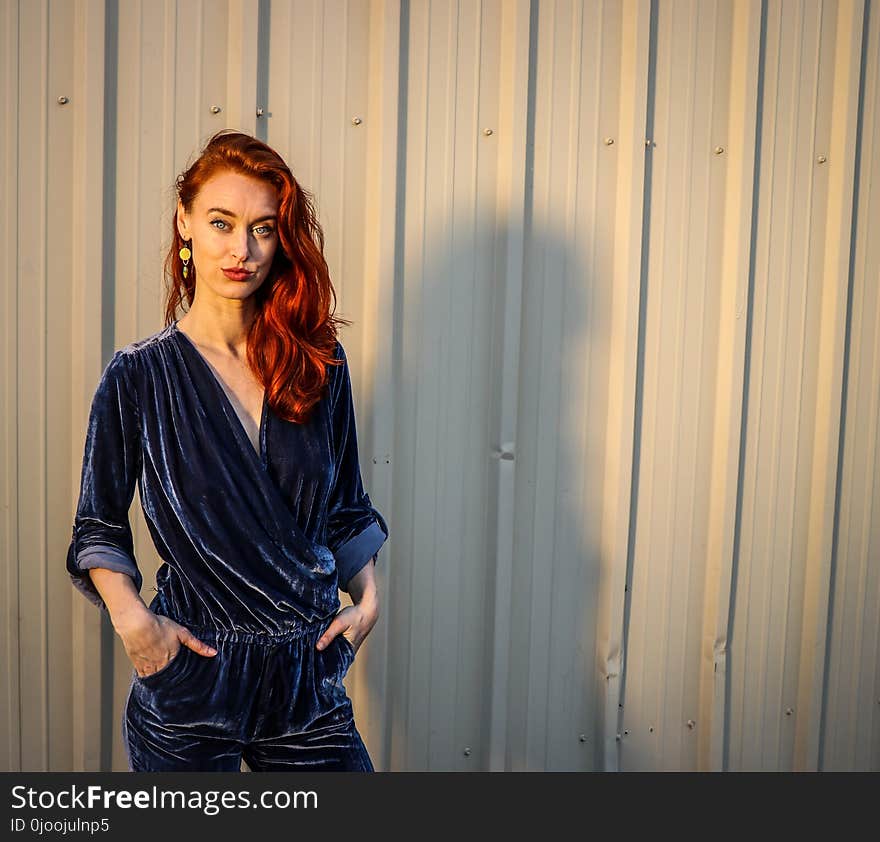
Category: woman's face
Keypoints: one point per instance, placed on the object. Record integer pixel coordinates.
(234, 231)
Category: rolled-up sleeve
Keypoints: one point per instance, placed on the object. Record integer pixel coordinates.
(112, 460)
(355, 530)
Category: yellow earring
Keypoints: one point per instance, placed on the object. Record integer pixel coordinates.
(185, 255)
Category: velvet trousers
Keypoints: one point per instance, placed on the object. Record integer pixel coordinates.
(269, 698)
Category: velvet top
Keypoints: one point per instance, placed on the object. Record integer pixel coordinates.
(248, 540)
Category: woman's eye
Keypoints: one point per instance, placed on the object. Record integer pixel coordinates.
(217, 223)
(263, 230)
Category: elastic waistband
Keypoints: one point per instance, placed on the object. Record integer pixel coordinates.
(291, 628)
(210, 634)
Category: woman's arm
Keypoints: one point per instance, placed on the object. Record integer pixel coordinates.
(360, 617)
(100, 558)
(356, 531)
(363, 590)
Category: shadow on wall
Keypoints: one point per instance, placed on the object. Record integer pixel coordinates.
(493, 588)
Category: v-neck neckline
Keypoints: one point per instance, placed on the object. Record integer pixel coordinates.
(261, 432)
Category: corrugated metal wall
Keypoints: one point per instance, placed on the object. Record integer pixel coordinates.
(616, 356)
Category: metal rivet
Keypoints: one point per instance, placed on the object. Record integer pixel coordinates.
(649, 143)
(356, 121)
(691, 724)
(651, 729)
(609, 141)
(216, 109)
(617, 738)
(505, 451)
(583, 738)
(63, 100)
(719, 150)
(467, 751)
(487, 132)
(259, 112)
(626, 733)
(789, 711)
(821, 159)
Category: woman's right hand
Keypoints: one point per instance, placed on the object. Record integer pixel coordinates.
(151, 641)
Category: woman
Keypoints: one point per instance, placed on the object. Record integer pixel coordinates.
(237, 423)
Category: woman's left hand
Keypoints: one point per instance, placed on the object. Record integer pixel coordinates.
(354, 622)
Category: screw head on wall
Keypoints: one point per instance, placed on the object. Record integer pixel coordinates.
(63, 100)
(216, 109)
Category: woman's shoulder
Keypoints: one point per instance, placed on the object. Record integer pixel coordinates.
(142, 347)
(137, 357)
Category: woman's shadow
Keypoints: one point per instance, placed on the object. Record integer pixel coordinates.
(492, 583)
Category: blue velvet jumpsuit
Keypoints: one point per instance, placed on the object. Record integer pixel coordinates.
(254, 548)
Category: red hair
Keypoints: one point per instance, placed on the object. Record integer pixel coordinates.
(293, 336)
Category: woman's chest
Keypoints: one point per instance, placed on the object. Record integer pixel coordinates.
(300, 457)
(198, 448)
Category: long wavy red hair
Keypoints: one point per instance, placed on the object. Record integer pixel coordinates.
(293, 336)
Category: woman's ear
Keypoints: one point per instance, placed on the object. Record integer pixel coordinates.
(182, 222)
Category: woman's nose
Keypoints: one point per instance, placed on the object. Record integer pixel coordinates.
(240, 248)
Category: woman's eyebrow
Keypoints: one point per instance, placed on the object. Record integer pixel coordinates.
(230, 213)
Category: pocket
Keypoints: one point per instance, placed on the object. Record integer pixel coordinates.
(170, 669)
(347, 646)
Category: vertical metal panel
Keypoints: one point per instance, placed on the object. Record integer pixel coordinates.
(582, 52)
(512, 141)
(618, 401)
(738, 144)
(793, 388)
(839, 83)
(242, 65)
(682, 310)
(49, 421)
(447, 299)
(623, 320)
(10, 629)
(374, 682)
(34, 91)
(852, 704)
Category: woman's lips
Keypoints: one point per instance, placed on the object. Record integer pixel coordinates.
(237, 274)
